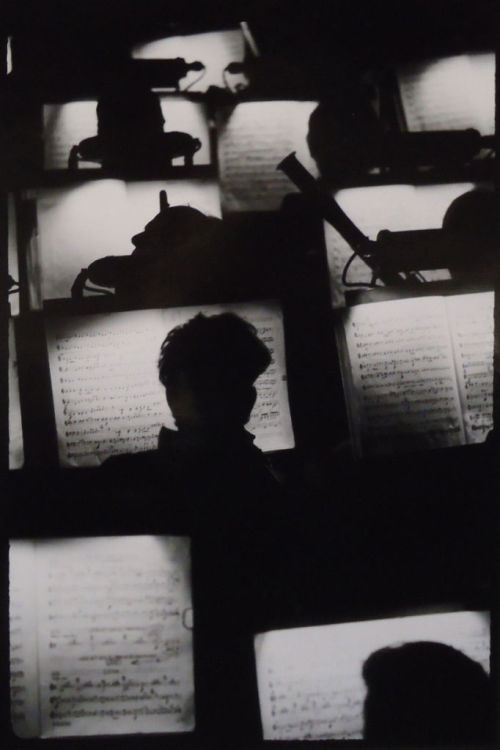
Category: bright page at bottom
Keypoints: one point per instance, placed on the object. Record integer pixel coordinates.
(114, 640)
(310, 679)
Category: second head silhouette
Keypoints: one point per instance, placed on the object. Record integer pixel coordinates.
(208, 367)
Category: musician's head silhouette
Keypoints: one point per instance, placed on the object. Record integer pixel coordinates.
(475, 218)
(425, 693)
(208, 367)
(174, 227)
(344, 136)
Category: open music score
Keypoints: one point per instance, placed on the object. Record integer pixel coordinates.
(65, 125)
(451, 93)
(101, 636)
(77, 225)
(418, 373)
(395, 207)
(253, 138)
(105, 386)
(310, 679)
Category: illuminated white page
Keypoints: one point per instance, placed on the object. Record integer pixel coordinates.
(253, 138)
(77, 225)
(64, 126)
(398, 208)
(483, 69)
(451, 93)
(215, 49)
(105, 386)
(114, 637)
(310, 679)
(270, 419)
(471, 326)
(16, 442)
(403, 376)
(24, 677)
(80, 224)
(184, 116)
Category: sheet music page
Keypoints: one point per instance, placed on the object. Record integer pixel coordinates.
(105, 387)
(310, 679)
(64, 126)
(24, 678)
(270, 420)
(472, 329)
(215, 49)
(452, 93)
(395, 207)
(253, 138)
(403, 374)
(80, 224)
(114, 635)
(77, 225)
(16, 442)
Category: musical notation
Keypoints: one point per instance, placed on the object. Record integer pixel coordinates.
(253, 138)
(310, 679)
(472, 329)
(422, 371)
(111, 640)
(107, 395)
(456, 92)
(395, 207)
(403, 372)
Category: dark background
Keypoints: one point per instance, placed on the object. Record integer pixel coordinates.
(374, 537)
